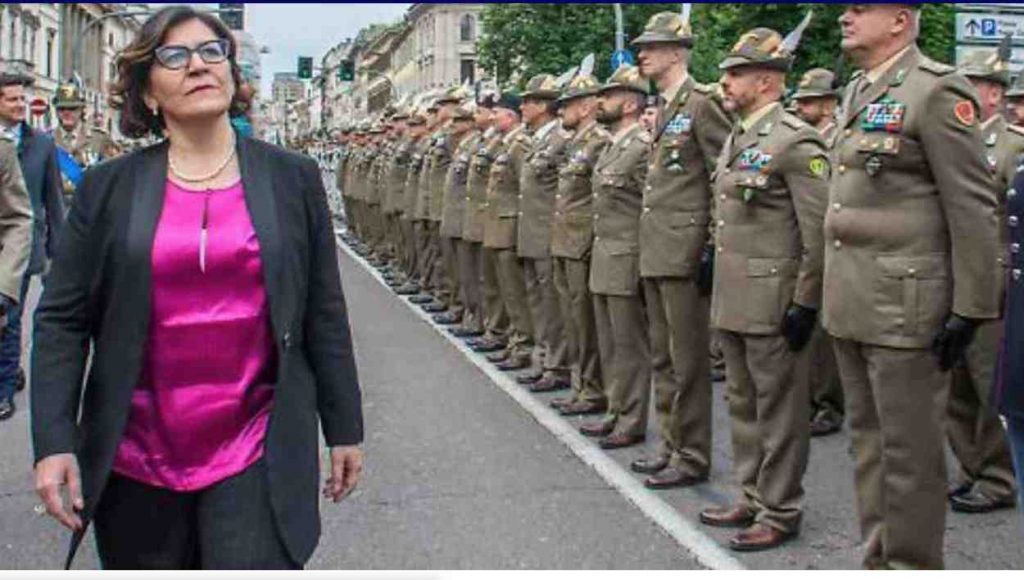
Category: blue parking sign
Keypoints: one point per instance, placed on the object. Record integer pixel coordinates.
(988, 27)
(620, 57)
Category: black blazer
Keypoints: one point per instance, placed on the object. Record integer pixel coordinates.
(98, 291)
(38, 156)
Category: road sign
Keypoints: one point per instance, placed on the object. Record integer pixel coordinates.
(1016, 55)
(38, 106)
(621, 57)
(989, 27)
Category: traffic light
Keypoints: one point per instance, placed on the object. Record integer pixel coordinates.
(346, 71)
(305, 67)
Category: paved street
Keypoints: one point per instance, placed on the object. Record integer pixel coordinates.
(459, 475)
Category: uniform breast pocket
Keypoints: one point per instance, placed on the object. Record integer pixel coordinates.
(878, 152)
(913, 292)
(771, 282)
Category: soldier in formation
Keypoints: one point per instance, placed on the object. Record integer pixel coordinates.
(845, 261)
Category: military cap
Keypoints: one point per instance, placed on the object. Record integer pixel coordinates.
(761, 47)
(455, 94)
(400, 114)
(417, 117)
(542, 86)
(580, 86)
(68, 96)
(627, 77)
(376, 129)
(986, 66)
(1016, 89)
(666, 27)
(508, 100)
(817, 82)
(464, 112)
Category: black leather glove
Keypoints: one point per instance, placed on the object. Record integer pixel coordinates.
(706, 271)
(798, 326)
(952, 341)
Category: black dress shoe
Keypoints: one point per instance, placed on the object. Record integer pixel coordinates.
(7, 409)
(649, 465)
(497, 356)
(489, 347)
(529, 378)
(512, 364)
(433, 308)
(421, 299)
(673, 477)
(407, 289)
(960, 489)
(447, 318)
(975, 502)
(462, 332)
(549, 384)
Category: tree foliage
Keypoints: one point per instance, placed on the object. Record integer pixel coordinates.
(521, 40)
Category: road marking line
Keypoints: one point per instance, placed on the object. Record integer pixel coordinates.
(704, 548)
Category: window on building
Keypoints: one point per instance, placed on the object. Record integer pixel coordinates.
(467, 28)
(14, 32)
(110, 40)
(467, 71)
(24, 40)
(32, 43)
(50, 40)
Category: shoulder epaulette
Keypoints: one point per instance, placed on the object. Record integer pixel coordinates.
(793, 122)
(1015, 129)
(644, 137)
(703, 88)
(936, 68)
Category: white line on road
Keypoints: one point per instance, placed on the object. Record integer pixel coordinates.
(708, 552)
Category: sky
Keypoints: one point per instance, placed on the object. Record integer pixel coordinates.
(293, 30)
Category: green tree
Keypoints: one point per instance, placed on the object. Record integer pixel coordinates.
(551, 38)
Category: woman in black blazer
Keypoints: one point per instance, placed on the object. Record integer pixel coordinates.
(145, 447)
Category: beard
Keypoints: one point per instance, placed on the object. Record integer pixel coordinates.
(609, 116)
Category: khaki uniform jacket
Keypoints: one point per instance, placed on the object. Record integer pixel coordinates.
(422, 209)
(15, 222)
(475, 214)
(455, 185)
(395, 173)
(503, 190)
(418, 151)
(771, 189)
(361, 174)
(911, 230)
(440, 159)
(538, 186)
(572, 226)
(618, 199)
(351, 171)
(376, 186)
(677, 196)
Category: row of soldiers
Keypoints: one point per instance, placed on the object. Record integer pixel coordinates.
(856, 251)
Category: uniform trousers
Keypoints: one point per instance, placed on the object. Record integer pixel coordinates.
(896, 404)
(496, 319)
(228, 526)
(436, 267)
(513, 294)
(425, 257)
(469, 283)
(975, 431)
(451, 292)
(826, 388)
(549, 332)
(408, 247)
(768, 408)
(572, 279)
(679, 319)
(625, 355)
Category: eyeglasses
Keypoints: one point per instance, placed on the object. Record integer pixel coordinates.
(177, 57)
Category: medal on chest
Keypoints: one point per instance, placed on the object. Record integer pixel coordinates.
(753, 160)
(885, 115)
(681, 123)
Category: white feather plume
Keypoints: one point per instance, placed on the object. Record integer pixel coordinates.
(686, 11)
(792, 40)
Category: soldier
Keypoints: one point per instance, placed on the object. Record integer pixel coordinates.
(372, 159)
(419, 142)
(771, 188)
(652, 109)
(910, 244)
(465, 140)
(394, 175)
(673, 236)
(428, 252)
(976, 435)
(538, 186)
(345, 149)
(816, 100)
(618, 183)
(74, 149)
(571, 239)
(470, 259)
(500, 230)
(1015, 102)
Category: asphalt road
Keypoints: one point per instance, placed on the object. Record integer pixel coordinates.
(459, 475)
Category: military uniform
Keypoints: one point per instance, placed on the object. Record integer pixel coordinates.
(910, 238)
(976, 433)
(572, 237)
(453, 207)
(673, 232)
(827, 409)
(395, 174)
(618, 184)
(500, 229)
(82, 149)
(411, 219)
(427, 248)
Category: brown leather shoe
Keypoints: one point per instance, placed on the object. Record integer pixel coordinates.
(738, 516)
(649, 465)
(759, 537)
(513, 364)
(549, 384)
(584, 408)
(618, 441)
(497, 357)
(673, 477)
(597, 428)
(559, 402)
(529, 378)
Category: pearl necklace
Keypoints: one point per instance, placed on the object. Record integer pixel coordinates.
(196, 179)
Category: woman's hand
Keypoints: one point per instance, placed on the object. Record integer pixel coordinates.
(52, 473)
(346, 467)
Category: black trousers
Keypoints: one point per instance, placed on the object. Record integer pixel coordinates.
(229, 525)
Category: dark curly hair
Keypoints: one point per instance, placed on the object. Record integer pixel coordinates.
(135, 61)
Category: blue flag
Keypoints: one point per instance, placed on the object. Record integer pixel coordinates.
(69, 168)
